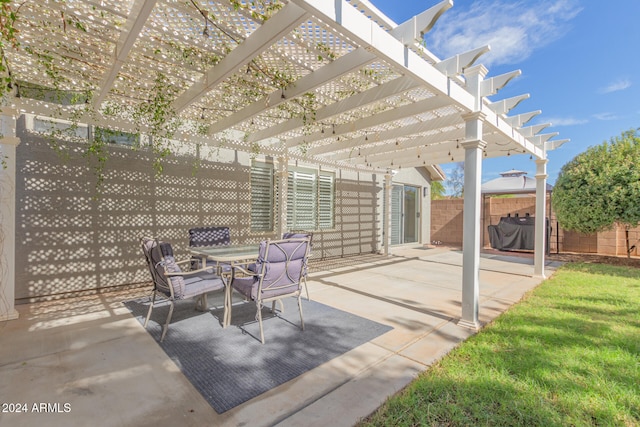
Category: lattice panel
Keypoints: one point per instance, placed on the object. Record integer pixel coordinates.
(70, 243)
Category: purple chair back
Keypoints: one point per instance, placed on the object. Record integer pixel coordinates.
(159, 256)
(209, 236)
(282, 263)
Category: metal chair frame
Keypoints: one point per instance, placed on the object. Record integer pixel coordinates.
(260, 275)
(163, 287)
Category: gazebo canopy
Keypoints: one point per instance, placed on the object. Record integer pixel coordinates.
(512, 182)
(332, 82)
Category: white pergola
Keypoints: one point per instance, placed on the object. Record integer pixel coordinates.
(334, 82)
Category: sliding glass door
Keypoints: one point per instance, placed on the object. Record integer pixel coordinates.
(405, 214)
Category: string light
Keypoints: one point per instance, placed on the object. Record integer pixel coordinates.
(205, 32)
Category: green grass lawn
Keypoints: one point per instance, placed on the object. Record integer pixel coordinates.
(567, 355)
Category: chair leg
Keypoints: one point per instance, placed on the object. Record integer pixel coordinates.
(306, 288)
(166, 325)
(273, 306)
(259, 314)
(153, 301)
(201, 303)
(300, 309)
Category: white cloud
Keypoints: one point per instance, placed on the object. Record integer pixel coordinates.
(620, 84)
(565, 121)
(513, 29)
(605, 116)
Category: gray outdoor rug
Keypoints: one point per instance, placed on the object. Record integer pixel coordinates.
(230, 366)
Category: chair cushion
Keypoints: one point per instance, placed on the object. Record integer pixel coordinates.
(200, 283)
(163, 260)
(246, 286)
(280, 277)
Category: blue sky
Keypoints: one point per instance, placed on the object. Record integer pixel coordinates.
(580, 62)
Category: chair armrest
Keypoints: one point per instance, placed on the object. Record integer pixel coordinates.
(188, 273)
(237, 267)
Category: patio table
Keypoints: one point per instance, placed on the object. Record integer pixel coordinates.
(229, 255)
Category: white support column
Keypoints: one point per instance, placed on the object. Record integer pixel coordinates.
(282, 175)
(540, 242)
(473, 149)
(8, 144)
(386, 223)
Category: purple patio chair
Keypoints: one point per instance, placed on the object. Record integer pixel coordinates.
(279, 269)
(171, 283)
(296, 235)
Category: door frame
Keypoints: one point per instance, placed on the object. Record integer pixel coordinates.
(398, 225)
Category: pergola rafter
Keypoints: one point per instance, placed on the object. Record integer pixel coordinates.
(282, 23)
(387, 116)
(378, 142)
(376, 93)
(135, 23)
(341, 66)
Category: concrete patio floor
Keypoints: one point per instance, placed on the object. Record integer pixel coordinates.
(94, 364)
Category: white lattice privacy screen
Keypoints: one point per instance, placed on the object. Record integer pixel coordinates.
(69, 242)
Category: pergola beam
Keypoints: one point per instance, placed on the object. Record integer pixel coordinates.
(140, 12)
(552, 145)
(260, 40)
(341, 66)
(456, 64)
(540, 139)
(533, 130)
(380, 138)
(355, 25)
(426, 147)
(416, 27)
(386, 116)
(377, 93)
(491, 86)
(505, 105)
(521, 119)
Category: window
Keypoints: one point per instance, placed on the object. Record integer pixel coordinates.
(59, 128)
(116, 137)
(51, 94)
(262, 196)
(310, 199)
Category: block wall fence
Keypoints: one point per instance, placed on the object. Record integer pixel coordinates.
(446, 227)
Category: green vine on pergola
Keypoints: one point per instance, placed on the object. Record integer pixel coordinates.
(154, 115)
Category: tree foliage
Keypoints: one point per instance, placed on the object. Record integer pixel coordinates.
(437, 190)
(601, 186)
(455, 180)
